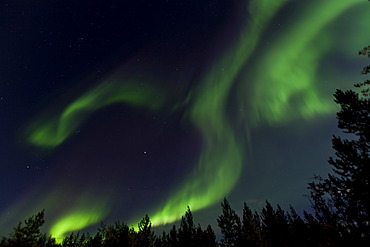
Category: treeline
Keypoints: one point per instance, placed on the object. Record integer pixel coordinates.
(340, 203)
(271, 227)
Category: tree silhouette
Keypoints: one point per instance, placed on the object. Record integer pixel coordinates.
(342, 200)
(298, 229)
(172, 237)
(209, 237)
(186, 233)
(230, 225)
(251, 229)
(75, 240)
(118, 234)
(274, 226)
(145, 235)
(29, 234)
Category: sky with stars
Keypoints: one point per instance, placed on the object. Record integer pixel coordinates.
(110, 110)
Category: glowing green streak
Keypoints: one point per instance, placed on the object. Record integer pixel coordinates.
(62, 215)
(75, 214)
(283, 89)
(221, 161)
(52, 134)
(220, 164)
(74, 221)
(286, 85)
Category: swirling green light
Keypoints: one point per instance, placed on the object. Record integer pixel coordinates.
(284, 88)
(286, 85)
(53, 133)
(220, 163)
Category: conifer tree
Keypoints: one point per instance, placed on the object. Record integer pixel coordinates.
(209, 237)
(28, 234)
(342, 200)
(251, 232)
(230, 225)
(173, 238)
(187, 229)
(145, 235)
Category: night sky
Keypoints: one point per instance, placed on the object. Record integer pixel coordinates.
(110, 110)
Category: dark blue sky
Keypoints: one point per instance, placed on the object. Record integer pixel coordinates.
(213, 69)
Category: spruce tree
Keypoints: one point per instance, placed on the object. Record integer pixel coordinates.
(28, 234)
(342, 199)
(230, 225)
(145, 235)
(251, 231)
(187, 229)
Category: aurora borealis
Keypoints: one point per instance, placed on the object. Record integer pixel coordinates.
(118, 110)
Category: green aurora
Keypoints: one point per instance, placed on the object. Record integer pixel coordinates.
(75, 221)
(289, 88)
(52, 134)
(274, 88)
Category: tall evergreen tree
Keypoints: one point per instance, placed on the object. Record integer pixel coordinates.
(173, 239)
(209, 237)
(251, 231)
(230, 225)
(298, 229)
(28, 234)
(275, 228)
(145, 235)
(342, 200)
(187, 229)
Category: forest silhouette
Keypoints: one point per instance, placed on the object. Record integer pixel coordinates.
(340, 203)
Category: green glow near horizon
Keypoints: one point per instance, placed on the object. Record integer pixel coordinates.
(75, 221)
(74, 213)
(284, 88)
(87, 209)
